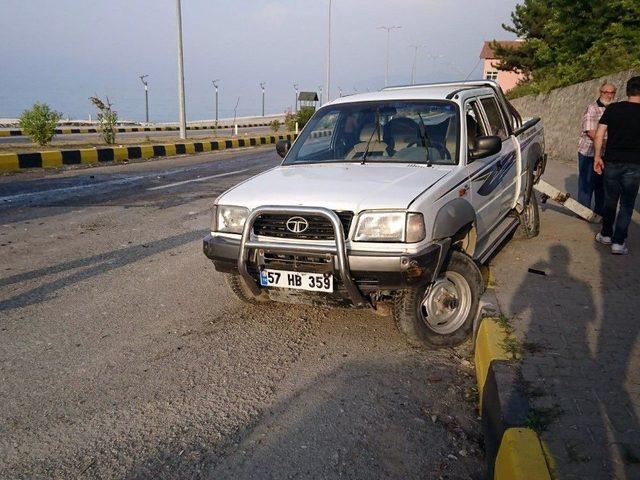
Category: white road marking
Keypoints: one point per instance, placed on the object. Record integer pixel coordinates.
(201, 179)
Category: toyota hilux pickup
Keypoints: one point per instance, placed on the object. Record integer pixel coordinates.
(390, 200)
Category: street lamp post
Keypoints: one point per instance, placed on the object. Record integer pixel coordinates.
(320, 90)
(295, 108)
(215, 85)
(146, 96)
(340, 91)
(183, 116)
(262, 84)
(415, 60)
(328, 85)
(388, 29)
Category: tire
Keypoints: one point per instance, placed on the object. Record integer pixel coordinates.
(242, 292)
(529, 219)
(414, 310)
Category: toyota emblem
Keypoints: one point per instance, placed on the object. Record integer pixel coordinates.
(297, 224)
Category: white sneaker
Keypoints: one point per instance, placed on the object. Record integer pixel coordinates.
(618, 249)
(602, 239)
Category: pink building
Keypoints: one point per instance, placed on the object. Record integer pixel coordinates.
(506, 80)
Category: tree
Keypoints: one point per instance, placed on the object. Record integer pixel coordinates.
(569, 41)
(40, 123)
(107, 119)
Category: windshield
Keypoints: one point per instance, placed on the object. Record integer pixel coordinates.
(387, 131)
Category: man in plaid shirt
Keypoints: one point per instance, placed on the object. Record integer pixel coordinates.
(589, 182)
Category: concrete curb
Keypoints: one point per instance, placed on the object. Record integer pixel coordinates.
(513, 451)
(16, 132)
(13, 162)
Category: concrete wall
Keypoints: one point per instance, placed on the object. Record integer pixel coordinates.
(561, 111)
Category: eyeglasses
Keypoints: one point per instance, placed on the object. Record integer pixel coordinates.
(608, 91)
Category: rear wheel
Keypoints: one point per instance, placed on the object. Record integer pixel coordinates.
(441, 314)
(529, 219)
(242, 292)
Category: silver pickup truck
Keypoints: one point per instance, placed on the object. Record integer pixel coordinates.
(388, 200)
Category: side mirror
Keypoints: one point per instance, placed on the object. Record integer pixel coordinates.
(282, 147)
(485, 147)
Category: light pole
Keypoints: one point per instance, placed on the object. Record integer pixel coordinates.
(328, 85)
(340, 91)
(215, 85)
(183, 116)
(235, 113)
(415, 60)
(320, 90)
(388, 29)
(146, 96)
(262, 84)
(295, 108)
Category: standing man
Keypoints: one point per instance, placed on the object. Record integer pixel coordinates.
(590, 183)
(621, 166)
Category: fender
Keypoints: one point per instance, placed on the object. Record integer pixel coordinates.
(452, 217)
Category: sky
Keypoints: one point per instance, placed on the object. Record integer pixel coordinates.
(62, 52)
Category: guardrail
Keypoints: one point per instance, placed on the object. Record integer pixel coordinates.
(11, 162)
(16, 132)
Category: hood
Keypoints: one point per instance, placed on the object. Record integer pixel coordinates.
(338, 186)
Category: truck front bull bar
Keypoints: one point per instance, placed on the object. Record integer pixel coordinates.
(339, 249)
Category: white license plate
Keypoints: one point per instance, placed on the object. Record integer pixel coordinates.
(315, 282)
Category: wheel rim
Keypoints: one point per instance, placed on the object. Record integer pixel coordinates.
(528, 216)
(446, 304)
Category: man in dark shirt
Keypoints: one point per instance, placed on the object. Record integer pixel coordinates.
(621, 166)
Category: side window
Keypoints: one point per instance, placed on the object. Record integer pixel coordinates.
(496, 122)
(475, 127)
(321, 135)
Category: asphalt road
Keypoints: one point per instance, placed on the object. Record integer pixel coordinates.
(90, 137)
(123, 355)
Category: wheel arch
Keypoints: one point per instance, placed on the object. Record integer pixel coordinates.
(457, 220)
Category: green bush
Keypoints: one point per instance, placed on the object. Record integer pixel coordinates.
(304, 114)
(290, 120)
(275, 125)
(107, 119)
(40, 123)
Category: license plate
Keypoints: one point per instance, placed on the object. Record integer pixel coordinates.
(315, 282)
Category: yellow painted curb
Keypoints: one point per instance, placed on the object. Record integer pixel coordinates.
(120, 153)
(146, 151)
(5, 133)
(488, 347)
(170, 150)
(189, 148)
(520, 457)
(51, 159)
(88, 156)
(9, 162)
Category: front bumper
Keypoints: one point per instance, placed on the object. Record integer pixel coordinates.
(371, 271)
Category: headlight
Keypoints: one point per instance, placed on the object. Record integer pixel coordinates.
(229, 219)
(390, 227)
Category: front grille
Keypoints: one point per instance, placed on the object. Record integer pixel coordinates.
(299, 263)
(275, 225)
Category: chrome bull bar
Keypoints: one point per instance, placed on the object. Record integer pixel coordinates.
(339, 249)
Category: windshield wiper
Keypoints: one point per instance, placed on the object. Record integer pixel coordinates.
(366, 149)
(426, 142)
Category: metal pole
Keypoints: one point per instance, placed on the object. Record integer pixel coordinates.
(235, 112)
(388, 29)
(328, 83)
(146, 96)
(413, 67)
(295, 108)
(320, 90)
(183, 116)
(215, 85)
(262, 84)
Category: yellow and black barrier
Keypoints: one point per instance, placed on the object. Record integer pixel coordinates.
(513, 450)
(16, 132)
(10, 162)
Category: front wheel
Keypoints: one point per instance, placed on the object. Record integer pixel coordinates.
(442, 313)
(242, 292)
